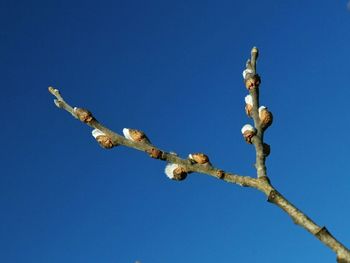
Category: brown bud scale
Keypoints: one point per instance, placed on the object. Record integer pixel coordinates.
(220, 173)
(248, 135)
(266, 118)
(155, 153)
(248, 109)
(252, 82)
(83, 115)
(180, 174)
(199, 158)
(105, 141)
(138, 136)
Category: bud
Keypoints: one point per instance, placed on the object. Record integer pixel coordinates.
(199, 158)
(252, 82)
(135, 135)
(83, 115)
(255, 53)
(155, 153)
(266, 149)
(175, 172)
(102, 139)
(220, 174)
(248, 132)
(247, 73)
(265, 117)
(249, 105)
(53, 90)
(58, 103)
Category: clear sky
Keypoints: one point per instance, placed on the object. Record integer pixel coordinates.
(172, 69)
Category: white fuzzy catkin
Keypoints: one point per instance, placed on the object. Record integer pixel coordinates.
(126, 133)
(169, 170)
(247, 127)
(247, 71)
(261, 108)
(97, 132)
(249, 100)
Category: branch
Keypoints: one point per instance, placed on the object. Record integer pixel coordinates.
(178, 168)
(262, 120)
(153, 151)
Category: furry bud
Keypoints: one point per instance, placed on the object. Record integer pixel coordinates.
(155, 153)
(135, 135)
(266, 117)
(248, 132)
(83, 115)
(103, 140)
(252, 82)
(249, 105)
(247, 73)
(199, 158)
(175, 172)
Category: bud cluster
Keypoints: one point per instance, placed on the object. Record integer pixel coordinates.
(252, 82)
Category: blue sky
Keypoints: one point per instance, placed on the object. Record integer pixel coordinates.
(172, 69)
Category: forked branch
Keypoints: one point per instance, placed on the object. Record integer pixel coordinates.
(178, 168)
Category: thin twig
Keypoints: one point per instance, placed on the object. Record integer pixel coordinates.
(166, 156)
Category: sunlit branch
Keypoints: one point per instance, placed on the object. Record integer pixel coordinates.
(178, 168)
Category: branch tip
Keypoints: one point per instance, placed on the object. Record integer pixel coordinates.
(254, 55)
(255, 50)
(52, 90)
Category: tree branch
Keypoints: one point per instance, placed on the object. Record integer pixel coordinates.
(200, 163)
(149, 148)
